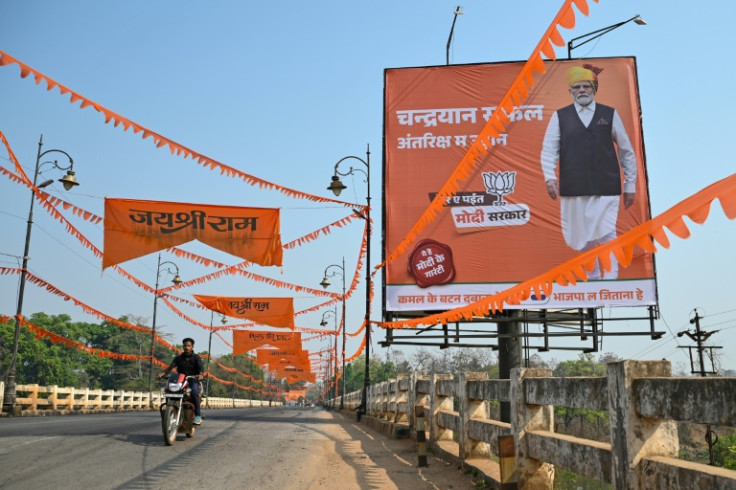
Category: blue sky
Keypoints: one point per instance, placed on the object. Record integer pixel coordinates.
(283, 90)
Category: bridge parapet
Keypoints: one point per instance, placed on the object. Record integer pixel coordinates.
(39, 400)
(641, 398)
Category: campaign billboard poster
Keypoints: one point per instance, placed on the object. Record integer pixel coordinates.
(505, 224)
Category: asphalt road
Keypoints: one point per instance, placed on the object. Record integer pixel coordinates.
(253, 448)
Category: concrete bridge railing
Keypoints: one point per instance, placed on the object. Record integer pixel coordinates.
(641, 398)
(35, 399)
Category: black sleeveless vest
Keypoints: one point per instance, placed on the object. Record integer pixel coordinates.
(588, 162)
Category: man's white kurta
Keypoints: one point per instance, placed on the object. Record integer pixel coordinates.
(588, 218)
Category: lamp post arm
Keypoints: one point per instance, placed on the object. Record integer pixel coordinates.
(332, 274)
(595, 35)
(56, 164)
(169, 270)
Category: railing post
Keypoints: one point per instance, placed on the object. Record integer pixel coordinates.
(438, 403)
(531, 473)
(634, 437)
(33, 396)
(420, 399)
(411, 400)
(382, 408)
(402, 399)
(53, 397)
(470, 409)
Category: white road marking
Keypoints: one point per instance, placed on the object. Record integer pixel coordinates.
(7, 449)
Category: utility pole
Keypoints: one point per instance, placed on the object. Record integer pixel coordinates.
(700, 336)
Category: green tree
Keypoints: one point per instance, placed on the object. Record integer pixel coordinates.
(41, 361)
(725, 452)
(585, 366)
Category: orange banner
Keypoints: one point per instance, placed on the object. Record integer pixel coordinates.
(247, 340)
(278, 358)
(276, 312)
(294, 395)
(135, 228)
(296, 376)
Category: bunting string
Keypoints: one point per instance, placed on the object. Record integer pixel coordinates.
(497, 122)
(162, 141)
(644, 236)
(33, 279)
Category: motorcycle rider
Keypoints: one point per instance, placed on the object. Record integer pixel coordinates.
(190, 364)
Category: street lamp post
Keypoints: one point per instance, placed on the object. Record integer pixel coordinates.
(458, 11)
(209, 356)
(323, 323)
(336, 186)
(69, 181)
(325, 283)
(600, 32)
(329, 372)
(156, 296)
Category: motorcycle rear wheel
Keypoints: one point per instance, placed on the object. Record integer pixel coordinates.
(169, 425)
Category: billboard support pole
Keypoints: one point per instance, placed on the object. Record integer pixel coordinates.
(509, 354)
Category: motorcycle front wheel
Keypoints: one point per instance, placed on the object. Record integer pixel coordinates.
(169, 425)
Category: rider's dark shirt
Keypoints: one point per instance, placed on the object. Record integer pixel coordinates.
(190, 365)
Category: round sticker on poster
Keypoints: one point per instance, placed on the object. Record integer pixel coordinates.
(430, 264)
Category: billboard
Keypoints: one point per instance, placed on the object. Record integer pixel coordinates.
(554, 183)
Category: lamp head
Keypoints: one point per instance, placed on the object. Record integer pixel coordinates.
(325, 282)
(323, 323)
(177, 280)
(224, 319)
(336, 186)
(68, 180)
(638, 20)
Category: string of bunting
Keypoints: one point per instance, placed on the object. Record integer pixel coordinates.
(360, 350)
(51, 208)
(497, 122)
(645, 236)
(272, 392)
(49, 203)
(42, 333)
(235, 370)
(58, 339)
(33, 279)
(162, 141)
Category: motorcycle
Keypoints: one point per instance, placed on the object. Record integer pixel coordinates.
(177, 412)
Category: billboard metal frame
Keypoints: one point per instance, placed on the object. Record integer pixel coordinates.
(585, 324)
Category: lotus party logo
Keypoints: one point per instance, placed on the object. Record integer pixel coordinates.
(499, 184)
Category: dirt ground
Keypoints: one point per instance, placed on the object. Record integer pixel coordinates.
(362, 458)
